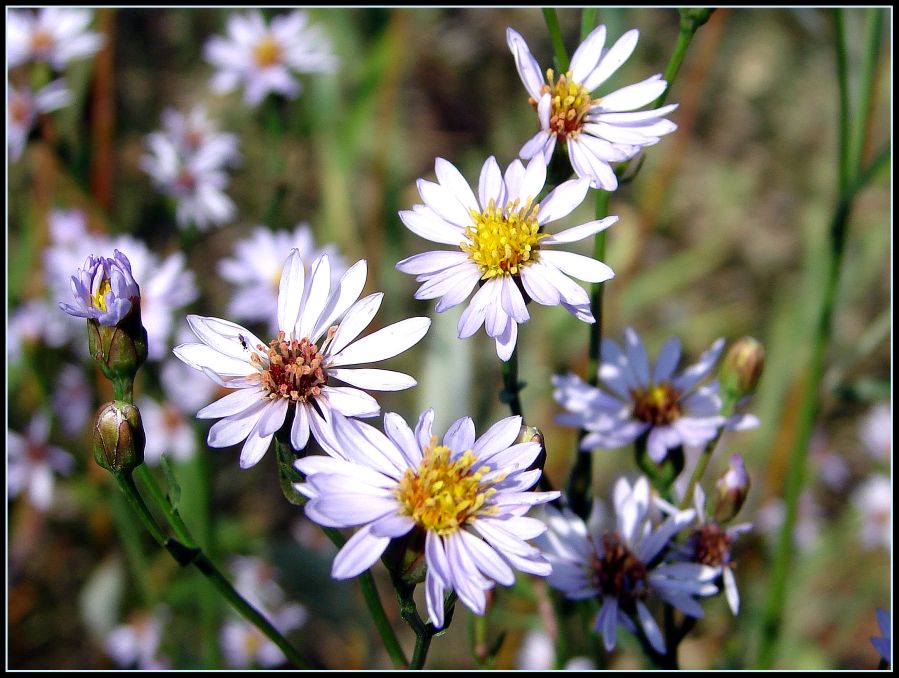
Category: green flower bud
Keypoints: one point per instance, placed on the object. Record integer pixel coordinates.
(742, 367)
(120, 349)
(118, 437)
(732, 488)
(691, 18)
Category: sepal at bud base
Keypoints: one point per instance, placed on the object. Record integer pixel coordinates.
(120, 349)
(732, 489)
(118, 437)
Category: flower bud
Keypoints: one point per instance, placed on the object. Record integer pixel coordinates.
(532, 434)
(732, 488)
(118, 437)
(108, 296)
(742, 367)
(691, 18)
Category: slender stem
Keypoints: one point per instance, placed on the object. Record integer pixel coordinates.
(684, 38)
(555, 35)
(772, 617)
(866, 90)
(843, 86)
(581, 479)
(727, 409)
(186, 555)
(162, 502)
(511, 386)
(375, 608)
(588, 20)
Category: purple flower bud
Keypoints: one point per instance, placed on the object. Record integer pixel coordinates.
(104, 290)
(732, 487)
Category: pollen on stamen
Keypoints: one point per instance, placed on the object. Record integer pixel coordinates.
(571, 102)
(502, 240)
(443, 494)
(293, 370)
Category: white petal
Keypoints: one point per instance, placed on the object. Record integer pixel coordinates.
(373, 379)
(498, 437)
(474, 314)
(402, 436)
(232, 430)
(562, 200)
(444, 203)
(299, 430)
(424, 428)
(434, 589)
(254, 448)
(506, 340)
(273, 417)
(486, 559)
(385, 343)
(533, 180)
(233, 403)
(224, 336)
(512, 301)
(342, 297)
(431, 262)
(650, 628)
(351, 402)
(579, 266)
(669, 357)
(636, 355)
(579, 232)
(430, 226)
(587, 164)
(538, 288)
(490, 185)
(452, 179)
(460, 436)
(613, 59)
(290, 292)
(607, 622)
(587, 55)
(361, 551)
(634, 96)
(315, 296)
(528, 68)
(357, 318)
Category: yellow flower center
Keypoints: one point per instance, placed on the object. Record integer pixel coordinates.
(570, 103)
(502, 241)
(98, 298)
(267, 52)
(657, 405)
(294, 368)
(445, 494)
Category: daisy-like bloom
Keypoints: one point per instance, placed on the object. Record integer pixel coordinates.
(256, 270)
(32, 463)
(104, 290)
(669, 409)
(596, 131)
(467, 495)
(317, 339)
(196, 182)
(195, 132)
(56, 35)
(135, 644)
(711, 544)
(24, 107)
(882, 643)
(501, 244)
(621, 564)
(262, 57)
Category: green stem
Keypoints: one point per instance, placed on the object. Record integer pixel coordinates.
(581, 479)
(772, 617)
(555, 35)
(187, 555)
(588, 20)
(162, 502)
(511, 386)
(688, 28)
(727, 409)
(375, 608)
(867, 90)
(843, 86)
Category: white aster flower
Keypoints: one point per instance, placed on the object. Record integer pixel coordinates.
(256, 270)
(874, 501)
(24, 107)
(669, 410)
(196, 133)
(135, 644)
(32, 463)
(56, 35)
(262, 57)
(876, 431)
(245, 646)
(711, 544)
(196, 182)
(468, 496)
(596, 131)
(501, 244)
(620, 564)
(317, 340)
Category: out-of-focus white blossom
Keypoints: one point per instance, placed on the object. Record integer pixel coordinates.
(55, 35)
(32, 463)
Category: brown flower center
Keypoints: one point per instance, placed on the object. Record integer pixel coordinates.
(570, 104)
(658, 405)
(619, 572)
(294, 368)
(41, 42)
(711, 545)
